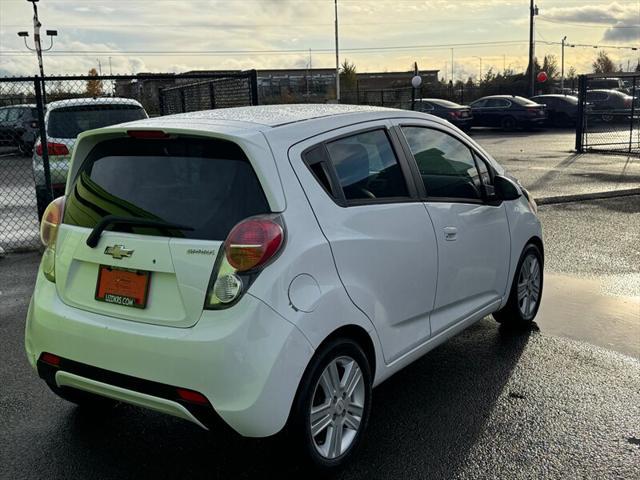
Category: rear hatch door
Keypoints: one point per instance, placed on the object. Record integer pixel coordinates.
(157, 275)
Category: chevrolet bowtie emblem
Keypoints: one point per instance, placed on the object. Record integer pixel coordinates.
(118, 252)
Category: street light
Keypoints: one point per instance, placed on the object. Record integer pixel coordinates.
(564, 39)
(36, 37)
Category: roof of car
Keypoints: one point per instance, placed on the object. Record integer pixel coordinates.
(84, 101)
(272, 115)
(313, 117)
(605, 90)
(554, 95)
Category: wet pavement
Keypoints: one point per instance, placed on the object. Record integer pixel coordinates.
(490, 403)
(546, 163)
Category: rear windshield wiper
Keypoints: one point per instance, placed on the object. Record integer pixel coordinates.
(93, 238)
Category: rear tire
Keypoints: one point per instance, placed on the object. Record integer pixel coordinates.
(340, 408)
(85, 400)
(526, 290)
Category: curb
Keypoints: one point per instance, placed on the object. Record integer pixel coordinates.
(587, 196)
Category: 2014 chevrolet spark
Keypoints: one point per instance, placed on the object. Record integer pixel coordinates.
(268, 266)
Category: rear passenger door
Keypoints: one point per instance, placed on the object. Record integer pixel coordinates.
(363, 195)
(472, 231)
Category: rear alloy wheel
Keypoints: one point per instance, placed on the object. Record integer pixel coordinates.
(333, 403)
(526, 291)
(508, 123)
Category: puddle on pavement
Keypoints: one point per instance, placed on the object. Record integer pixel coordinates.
(604, 311)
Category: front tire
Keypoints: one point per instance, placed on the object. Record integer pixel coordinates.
(526, 290)
(332, 406)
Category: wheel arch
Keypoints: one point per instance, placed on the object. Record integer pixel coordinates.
(358, 335)
(537, 241)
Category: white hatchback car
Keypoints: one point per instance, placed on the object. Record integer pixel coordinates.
(268, 266)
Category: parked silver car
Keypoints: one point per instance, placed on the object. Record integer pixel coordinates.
(64, 121)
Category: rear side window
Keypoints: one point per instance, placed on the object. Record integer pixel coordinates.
(367, 167)
(446, 165)
(69, 122)
(208, 185)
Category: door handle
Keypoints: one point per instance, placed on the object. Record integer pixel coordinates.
(450, 234)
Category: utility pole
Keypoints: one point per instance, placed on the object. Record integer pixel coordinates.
(452, 65)
(533, 11)
(562, 68)
(110, 70)
(99, 67)
(504, 64)
(335, 3)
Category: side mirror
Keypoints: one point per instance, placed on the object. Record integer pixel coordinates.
(505, 188)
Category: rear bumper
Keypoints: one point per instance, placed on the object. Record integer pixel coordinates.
(247, 361)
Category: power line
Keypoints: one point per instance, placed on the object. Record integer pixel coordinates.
(279, 51)
(559, 22)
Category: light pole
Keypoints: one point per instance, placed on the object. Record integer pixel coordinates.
(335, 3)
(564, 39)
(452, 65)
(533, 11)
(36, 37)
(480, 77)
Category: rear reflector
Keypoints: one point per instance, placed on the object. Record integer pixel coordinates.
(50, 359)
(192, 397)
(147, 134)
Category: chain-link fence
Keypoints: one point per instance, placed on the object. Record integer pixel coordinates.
(609, 113)
(40, 120)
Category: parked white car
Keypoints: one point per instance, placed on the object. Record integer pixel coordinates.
(267, 266)
(64, 121)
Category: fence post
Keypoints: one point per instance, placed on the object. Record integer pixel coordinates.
(633, 111)
(582, 97)
(39, 85)
(382, 98)
(253, 80)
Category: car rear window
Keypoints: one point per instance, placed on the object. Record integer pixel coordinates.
(524, 101)
(69, 122)
(208, 185)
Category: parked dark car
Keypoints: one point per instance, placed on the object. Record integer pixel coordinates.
(606, 84)
(610, 105)
(508, 112)
(19, 127)
(562, 110)
(459, 115)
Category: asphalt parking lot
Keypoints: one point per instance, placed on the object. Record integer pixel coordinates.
(560, 401)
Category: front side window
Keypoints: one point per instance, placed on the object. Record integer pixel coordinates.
(367, 167)
(446, 165)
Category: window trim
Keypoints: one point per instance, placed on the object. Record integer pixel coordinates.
(424, 197)
(398, 150)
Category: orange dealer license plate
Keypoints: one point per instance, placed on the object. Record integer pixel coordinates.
(129, 288)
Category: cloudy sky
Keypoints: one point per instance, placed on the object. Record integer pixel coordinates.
(377, 35)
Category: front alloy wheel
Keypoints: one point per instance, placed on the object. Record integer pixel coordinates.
(529, 283)
(526, 290)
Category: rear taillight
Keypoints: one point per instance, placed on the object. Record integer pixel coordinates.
(454, 114)
(628, 102)
(49, 225)
(249, 247)
(50, 359)
(533, 111)
(252, 243)
(53, 149)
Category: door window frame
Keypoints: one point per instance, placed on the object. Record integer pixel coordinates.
(475, 154)
(337, 192)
